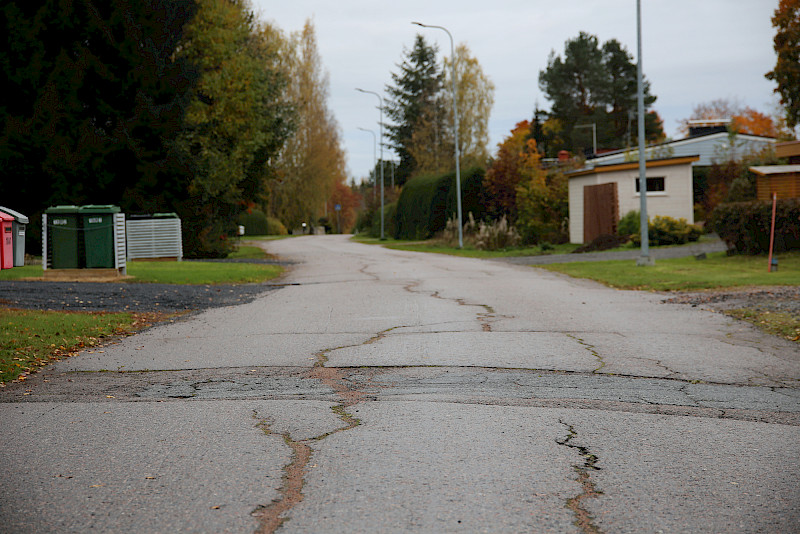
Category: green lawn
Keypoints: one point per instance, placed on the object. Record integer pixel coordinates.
(717, 271)
(200, 272)
(183, 272)
(28, 271)
(30, 339)
(248, 252)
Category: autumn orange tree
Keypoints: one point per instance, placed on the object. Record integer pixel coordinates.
(517, 187)
(543, 206)
(506, 171)
(349, 201)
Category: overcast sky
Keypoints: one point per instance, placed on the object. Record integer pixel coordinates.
(694, 51)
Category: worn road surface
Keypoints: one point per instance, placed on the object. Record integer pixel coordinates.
(384, 391)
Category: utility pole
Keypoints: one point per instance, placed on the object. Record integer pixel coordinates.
(644, 257)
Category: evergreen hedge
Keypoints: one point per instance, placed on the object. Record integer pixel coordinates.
(426, 203)
(389, 214)
(745, 226)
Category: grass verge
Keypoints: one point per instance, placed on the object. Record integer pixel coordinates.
(717, 271)
(30, 339)
(248, 252)
(201, 272)
(171, 272)
(780, 324)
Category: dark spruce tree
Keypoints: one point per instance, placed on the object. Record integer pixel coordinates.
(94, 97)
(414, 97)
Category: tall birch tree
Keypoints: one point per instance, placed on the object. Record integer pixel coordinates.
(312, 162)
(475, 98)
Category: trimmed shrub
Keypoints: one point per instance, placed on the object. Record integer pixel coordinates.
(745, 226)
(275, 227)
(426, 202)
(257, 223)
(664, 230)
(629, 224)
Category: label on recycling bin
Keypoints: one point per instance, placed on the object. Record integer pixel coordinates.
(59, 222)
(95, 220)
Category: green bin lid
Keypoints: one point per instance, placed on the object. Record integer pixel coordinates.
(62, 209)
(99, 208)
(21, 219)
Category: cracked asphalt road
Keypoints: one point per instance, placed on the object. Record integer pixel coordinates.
(386, 391)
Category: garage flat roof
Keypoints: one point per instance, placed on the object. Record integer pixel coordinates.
(769, 170)
(631, 165)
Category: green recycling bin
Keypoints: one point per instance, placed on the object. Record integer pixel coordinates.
(62, 237)
(98, 235)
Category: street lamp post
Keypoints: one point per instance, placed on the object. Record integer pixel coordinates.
(374, 156)
(380, 108)
(455, 129)
(644, 257)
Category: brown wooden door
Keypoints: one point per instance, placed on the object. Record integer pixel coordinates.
(600, 211)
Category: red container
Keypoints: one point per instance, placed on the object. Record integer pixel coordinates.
(6, 241)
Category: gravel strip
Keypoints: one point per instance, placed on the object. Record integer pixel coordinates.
(764, 298)
(120, 297)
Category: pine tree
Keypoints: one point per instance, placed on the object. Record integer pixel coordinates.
(594, 85)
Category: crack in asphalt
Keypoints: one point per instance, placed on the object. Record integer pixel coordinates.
(592, 349)
(484, 318)
(658, 363)
(272, 515)
(583, 519)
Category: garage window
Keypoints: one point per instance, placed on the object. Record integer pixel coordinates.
(654, 185)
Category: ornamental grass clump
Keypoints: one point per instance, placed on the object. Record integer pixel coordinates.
(497, 235)
(494, 235)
